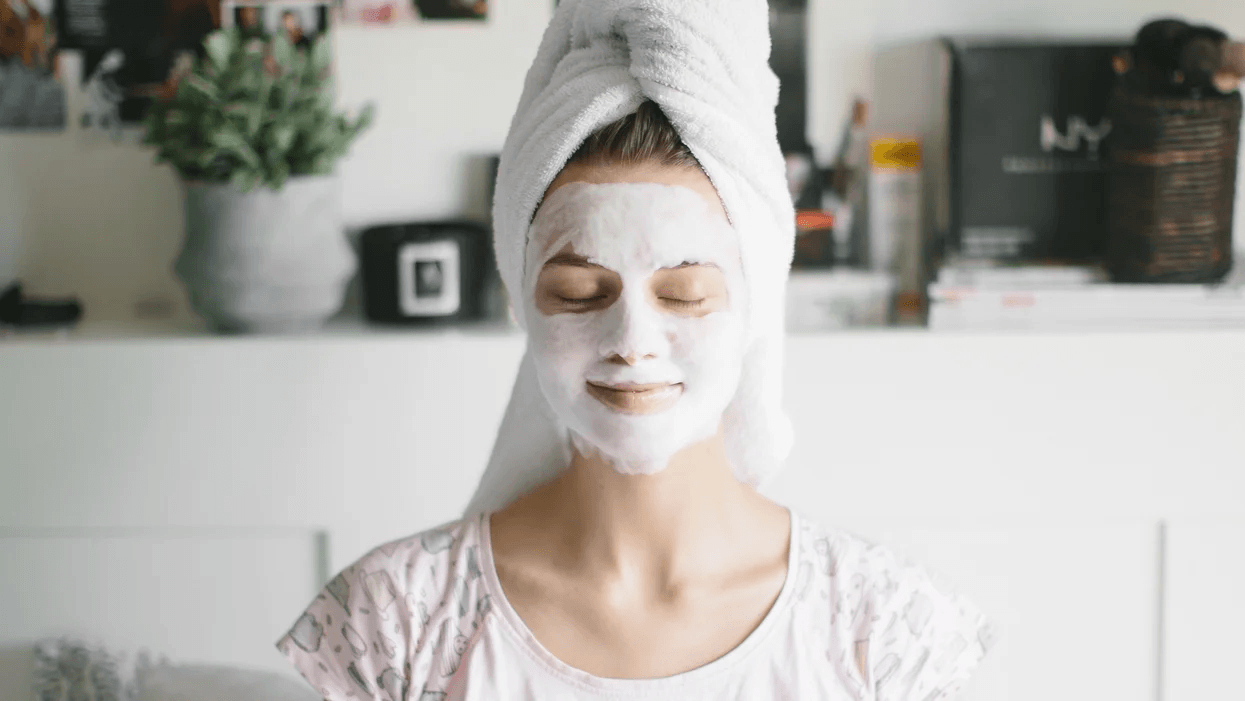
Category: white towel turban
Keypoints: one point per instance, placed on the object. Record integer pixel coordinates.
(706, 64)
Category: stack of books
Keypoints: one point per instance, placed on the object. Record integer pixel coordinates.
(1062, 297)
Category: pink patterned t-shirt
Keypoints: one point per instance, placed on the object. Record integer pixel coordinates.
(424, 619)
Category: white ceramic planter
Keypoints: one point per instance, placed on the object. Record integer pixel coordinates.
(265, 261)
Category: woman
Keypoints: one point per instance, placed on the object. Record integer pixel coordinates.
(617, 547)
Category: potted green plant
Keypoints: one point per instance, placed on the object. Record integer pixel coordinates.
(252, 131)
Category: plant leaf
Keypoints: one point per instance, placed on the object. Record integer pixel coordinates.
(366, 116)
(233, 142)
(239, 114)
(321, 54)
(254, 119)
(243, 180)
(283, 51)
(219, 47)
(278, 175)
(282, 137)
(196, 88)
(205, 157)
(254, 112)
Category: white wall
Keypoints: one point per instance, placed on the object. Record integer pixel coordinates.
(104, 223)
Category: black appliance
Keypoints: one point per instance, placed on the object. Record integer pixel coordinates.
(426, 272)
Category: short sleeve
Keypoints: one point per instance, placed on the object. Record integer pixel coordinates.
(924, 639)
(351, 642)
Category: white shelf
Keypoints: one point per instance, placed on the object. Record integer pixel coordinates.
(196, 330)
(357, 330)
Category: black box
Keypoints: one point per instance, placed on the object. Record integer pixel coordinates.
(424, 273)
(1016, 137)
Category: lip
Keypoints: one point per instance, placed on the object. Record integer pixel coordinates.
(630, 398)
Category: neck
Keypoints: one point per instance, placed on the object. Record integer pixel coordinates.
(688, 520)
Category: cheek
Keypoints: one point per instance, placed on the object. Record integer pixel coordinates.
(713, 343)
(566, 341)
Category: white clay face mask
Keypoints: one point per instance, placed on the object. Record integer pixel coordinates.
(637, 323)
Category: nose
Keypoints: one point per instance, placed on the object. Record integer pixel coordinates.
(633, 332)
(629, 359)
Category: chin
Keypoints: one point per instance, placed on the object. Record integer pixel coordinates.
(623, 461)
(637, 445)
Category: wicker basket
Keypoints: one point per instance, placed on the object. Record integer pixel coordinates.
(1171, 186)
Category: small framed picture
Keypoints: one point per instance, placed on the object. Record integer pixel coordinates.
(301, 20)
(429, 278)
(452, 9)
(399, 11)
(249, 19)
(378, 11)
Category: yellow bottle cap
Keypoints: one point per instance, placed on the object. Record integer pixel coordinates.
(895, 153)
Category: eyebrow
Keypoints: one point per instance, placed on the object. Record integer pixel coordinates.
(578, 261)
(571, 259)
(690, 264)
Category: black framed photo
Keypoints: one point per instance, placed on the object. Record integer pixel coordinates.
(407, 11)
(452, 9)
(302, 21)
(249, 19)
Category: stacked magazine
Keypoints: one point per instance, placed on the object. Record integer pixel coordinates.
(1058, 297)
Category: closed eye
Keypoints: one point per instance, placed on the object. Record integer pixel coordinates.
(682, 303)
(583, 300)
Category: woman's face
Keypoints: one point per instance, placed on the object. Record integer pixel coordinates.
(635, 305)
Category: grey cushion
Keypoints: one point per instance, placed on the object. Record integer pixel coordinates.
(72, 670)
(211, 683)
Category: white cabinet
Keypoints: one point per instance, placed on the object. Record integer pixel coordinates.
(213, 595)
(1076, 605)
(1030, 469)
(1204, 610)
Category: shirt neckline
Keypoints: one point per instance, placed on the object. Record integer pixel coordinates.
(526, 639)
